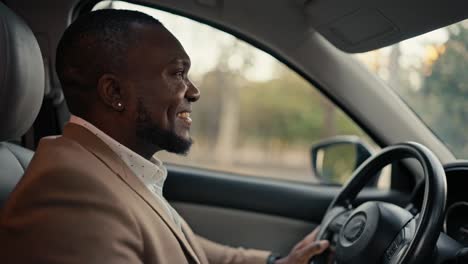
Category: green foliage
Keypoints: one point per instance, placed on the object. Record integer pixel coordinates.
(289, 109)
(443, 104)
(339, 163)
(286, 109)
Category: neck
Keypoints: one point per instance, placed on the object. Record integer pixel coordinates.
(146, 149)
(125, 135)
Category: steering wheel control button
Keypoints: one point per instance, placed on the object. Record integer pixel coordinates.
(354, 228)
(398, 247)
(393, 248)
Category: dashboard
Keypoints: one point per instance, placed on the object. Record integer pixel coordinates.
(456, 212)
(456, 222)
(456, 215)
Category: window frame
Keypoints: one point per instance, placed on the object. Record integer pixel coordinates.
(86, 6)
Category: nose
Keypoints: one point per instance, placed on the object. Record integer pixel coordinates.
(192, 94)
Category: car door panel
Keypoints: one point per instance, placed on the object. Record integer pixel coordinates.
(248, 229)
(252, 211)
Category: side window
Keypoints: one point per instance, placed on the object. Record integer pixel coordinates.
(255, 117)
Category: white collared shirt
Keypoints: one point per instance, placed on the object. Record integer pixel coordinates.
(151, 172)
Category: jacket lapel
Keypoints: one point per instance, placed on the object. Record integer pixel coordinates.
(99, 149)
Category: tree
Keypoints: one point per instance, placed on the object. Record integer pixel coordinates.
(218, 108)
(446, 89)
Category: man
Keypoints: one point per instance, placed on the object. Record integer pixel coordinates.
(94, 195)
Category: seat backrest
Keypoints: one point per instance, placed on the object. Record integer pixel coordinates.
(13, 162)
(21, 93)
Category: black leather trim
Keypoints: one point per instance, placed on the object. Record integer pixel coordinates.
(459, 165)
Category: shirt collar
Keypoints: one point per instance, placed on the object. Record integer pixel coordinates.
(152, 172)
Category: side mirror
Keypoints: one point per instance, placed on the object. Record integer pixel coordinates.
(334, 159)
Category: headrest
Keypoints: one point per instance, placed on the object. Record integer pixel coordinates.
(21, 76)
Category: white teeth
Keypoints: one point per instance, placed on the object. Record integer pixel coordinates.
(184, 115)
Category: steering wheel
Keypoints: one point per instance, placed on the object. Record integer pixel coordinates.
(379, 232)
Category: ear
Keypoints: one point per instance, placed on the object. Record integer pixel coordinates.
(110, 92)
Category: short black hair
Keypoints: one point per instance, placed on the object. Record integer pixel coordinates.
(94, 44)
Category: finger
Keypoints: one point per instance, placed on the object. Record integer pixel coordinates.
(310, 238)
(314, 248)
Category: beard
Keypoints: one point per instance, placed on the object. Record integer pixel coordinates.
(163, 139)
(151, 133)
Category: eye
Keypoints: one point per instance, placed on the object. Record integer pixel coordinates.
(179, 74)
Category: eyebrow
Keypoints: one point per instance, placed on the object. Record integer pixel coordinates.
(185, 61)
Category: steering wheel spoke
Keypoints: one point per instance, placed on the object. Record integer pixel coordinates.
(333, 221)
(399, 245)
(339, 221)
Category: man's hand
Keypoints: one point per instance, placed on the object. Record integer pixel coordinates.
(305, 250)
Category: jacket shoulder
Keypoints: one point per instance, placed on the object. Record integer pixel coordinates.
(62, 169)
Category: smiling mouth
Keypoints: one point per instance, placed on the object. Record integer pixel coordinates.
(185, 116)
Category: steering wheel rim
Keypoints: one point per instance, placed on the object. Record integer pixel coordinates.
(426, 228)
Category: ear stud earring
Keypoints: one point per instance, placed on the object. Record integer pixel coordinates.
(119, 106)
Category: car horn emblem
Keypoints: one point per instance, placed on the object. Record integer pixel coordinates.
(354, 228)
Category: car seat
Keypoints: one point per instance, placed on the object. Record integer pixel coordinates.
(21, 92)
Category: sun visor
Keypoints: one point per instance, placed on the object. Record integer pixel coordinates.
(359, 26)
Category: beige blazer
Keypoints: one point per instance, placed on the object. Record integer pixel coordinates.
(79, 203)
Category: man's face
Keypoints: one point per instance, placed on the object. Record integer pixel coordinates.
(160, 93)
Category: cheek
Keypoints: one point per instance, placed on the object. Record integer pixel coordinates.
(162, 100)
(147, 105)
(174, 94)
(174, 101)
(165, 110)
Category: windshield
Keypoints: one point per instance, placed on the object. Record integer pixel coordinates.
(430, 73)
